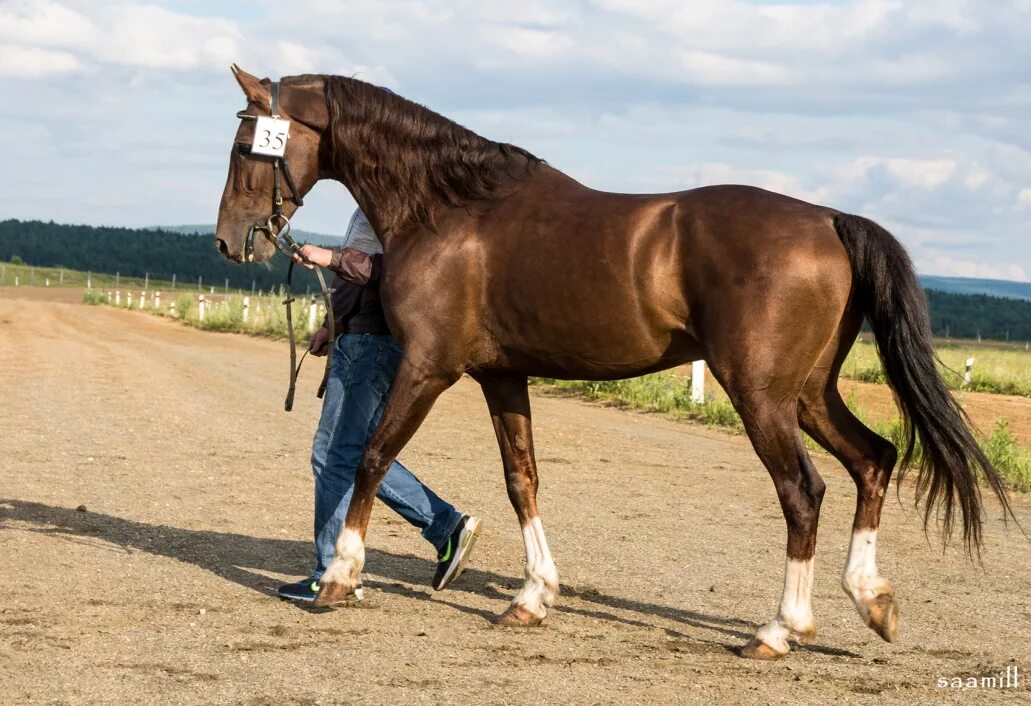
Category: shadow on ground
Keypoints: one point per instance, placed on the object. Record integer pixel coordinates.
(239, 558)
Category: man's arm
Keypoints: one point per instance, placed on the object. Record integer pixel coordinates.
(349, 263)
(345, 295)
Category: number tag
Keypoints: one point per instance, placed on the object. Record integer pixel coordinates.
(270, 135)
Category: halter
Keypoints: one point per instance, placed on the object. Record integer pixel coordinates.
(277, 229)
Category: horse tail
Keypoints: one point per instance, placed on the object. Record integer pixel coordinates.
(950, 462)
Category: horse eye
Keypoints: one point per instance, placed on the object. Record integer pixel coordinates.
(242, 148)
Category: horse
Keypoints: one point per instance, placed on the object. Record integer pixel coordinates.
(499, 266)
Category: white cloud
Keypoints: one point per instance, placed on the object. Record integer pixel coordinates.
(31, 62)
(948, 266)
(1024, 198)
(127, 34)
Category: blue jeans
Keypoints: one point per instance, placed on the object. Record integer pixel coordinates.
(364, 368)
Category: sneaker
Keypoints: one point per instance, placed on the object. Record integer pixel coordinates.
(306, 590)
(451, 559)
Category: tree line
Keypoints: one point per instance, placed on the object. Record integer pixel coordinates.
(137, 252)
(161, 254)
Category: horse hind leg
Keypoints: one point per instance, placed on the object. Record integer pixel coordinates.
(773, 430)
(509, 404)
(869, 459)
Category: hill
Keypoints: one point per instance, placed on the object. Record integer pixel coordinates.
(138, 252)
(303, 236)
(991, 287)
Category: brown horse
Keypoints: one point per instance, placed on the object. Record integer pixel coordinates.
(500, 266)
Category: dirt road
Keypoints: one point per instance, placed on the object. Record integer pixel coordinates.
(193, 497)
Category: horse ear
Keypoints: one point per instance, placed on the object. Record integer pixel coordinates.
(252, 87)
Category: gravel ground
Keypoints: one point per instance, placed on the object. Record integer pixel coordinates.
(153, 494)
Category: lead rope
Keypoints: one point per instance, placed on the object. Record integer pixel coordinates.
(327, 297)
(294, 248)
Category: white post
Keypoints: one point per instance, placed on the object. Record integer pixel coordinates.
(200, 308)
(48, 281)
(110, 297)
(16, 281)
(212, 291)
(143, 300)
(313, 312)
(62, 276)
(118, 297)
(157, 300)
(128, 300)
(246, 308)
(970, 366)
(698, 381)
(171, 310)
(89, 280)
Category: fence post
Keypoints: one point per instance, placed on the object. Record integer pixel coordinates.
(89, 279)
(172, 313)
(118, 297)
(110, 296)
(61, 276)
(246, 308)
(128, 300)
(966, 375)
(200, 308)
(157, 300)
(47, 281)
(227, 286)
(143, 300)
(698, 381)
(313, 311)
(173, 280)
(16, 281)
(146, 280)
(118, 279)
(212, 290)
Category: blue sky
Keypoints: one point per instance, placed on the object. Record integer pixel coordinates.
(912, 113)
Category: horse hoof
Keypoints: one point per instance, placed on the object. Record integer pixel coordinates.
(331, 594)
(757, 649)
(516, 616)
(884, 616)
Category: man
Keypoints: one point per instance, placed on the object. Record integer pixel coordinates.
(365, 362)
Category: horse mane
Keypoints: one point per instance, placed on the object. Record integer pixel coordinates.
(411, 157)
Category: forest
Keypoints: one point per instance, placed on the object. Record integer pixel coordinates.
(137, 252)
(163, 253)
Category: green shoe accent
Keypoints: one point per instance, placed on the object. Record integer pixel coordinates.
(447, 552)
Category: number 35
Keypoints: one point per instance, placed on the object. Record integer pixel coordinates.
(268, 139)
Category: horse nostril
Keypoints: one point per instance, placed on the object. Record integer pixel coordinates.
(223, 246)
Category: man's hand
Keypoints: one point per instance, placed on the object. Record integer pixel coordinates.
(319, 344)
(316, 256)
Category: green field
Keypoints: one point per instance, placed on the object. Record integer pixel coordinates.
(998, 367)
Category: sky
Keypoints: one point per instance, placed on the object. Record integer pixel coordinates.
(916, 114)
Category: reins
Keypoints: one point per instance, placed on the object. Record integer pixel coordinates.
(277, 229)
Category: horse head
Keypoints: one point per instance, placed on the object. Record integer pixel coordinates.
(264, 190)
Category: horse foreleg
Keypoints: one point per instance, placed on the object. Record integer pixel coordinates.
(411, 398)
(509, 404)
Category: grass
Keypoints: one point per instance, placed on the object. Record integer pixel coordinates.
(671, 394)
(997, 369)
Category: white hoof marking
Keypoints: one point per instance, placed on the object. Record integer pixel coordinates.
(860, 578)
(349, 559)
(541, 587)
(794, 619)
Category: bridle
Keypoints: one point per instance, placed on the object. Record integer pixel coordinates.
(277, 229)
